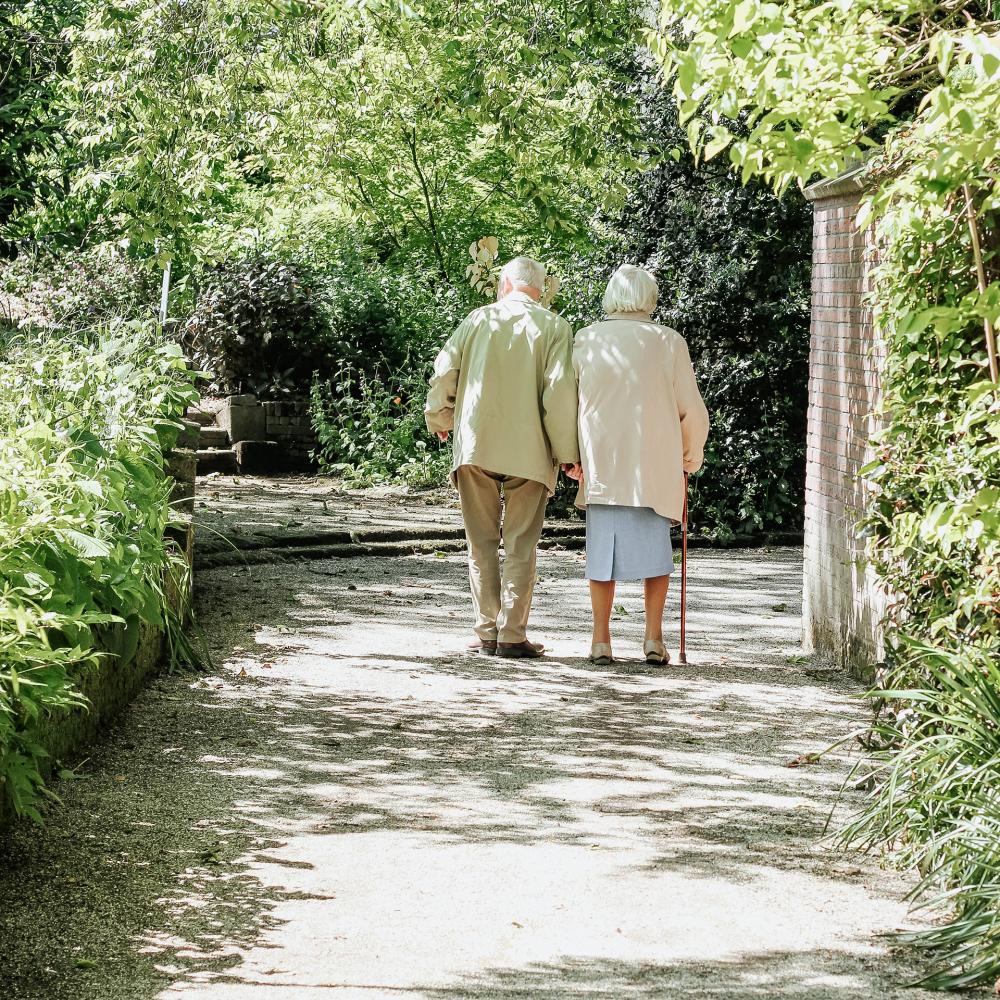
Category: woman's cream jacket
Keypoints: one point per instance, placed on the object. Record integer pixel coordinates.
(642, 421)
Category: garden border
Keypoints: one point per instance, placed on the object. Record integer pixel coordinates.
(133, 658)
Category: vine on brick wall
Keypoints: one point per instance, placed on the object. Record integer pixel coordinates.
(916, 84)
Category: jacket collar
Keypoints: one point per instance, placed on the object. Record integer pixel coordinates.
(642, 317)
(516, 296)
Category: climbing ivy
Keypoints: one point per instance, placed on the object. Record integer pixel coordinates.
(914, 86)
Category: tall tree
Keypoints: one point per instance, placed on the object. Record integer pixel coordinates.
(167, 109)
(437, 121)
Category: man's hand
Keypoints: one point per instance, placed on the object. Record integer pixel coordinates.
(443, 435)
(574, 470)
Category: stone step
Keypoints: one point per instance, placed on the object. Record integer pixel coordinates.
(190, 436)
(204, 417)
(214, 437)
(217, 460)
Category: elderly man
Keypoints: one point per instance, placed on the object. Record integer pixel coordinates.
(504, 383)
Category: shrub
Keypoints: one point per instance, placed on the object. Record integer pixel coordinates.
(84, 504)
(937, 777)
(260, 325)
(268, 321)
(372, 429)
(83, 290)
(752, 477)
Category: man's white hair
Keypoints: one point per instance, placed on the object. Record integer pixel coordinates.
(631, 289)
(523, 272)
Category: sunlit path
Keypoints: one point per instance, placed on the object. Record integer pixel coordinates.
(354, 807)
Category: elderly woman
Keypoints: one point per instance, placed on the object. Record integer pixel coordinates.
(642, 425)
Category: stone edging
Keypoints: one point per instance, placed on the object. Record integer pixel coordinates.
(262, 547)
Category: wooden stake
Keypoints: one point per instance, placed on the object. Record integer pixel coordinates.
(682, 655)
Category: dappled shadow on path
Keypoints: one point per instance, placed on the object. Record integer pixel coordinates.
(356, 800)
(807, 974)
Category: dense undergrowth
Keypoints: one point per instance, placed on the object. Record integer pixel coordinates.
(934, 527)
(84, 504)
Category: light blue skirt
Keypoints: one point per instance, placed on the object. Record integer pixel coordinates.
(627, 543)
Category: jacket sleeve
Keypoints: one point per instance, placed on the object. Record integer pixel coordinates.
(439, 410)
(559, 399)
(690, 408)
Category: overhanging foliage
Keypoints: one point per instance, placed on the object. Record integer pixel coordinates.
(917, 85)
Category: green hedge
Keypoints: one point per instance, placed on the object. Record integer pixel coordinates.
(84, 504)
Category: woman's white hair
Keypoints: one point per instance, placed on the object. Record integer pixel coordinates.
(523, 272)
(631, 289)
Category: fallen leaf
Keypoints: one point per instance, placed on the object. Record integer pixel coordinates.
(805, 758)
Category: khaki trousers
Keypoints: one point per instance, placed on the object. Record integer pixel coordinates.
(501, 602)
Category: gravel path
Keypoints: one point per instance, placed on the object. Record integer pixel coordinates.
(354, 807)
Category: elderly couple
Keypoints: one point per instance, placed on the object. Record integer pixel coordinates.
(618, 409)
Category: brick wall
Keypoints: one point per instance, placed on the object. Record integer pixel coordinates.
(841, 605)
(289, 424)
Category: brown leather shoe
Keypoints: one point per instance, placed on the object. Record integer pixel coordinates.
(520, 650)
(487, 646)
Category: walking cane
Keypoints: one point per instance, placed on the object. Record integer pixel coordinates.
(682, 656)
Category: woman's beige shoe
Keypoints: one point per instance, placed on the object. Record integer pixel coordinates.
(600, 653)
(655, 651)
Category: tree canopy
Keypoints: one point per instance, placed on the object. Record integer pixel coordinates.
(430, 121)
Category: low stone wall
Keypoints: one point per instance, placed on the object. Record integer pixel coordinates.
(269, 437)
(137, 649)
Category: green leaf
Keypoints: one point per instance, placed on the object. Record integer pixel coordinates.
(87, 545)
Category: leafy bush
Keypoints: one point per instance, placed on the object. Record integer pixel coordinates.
(752, 480)
(268, 321)
(259, 326)
(84, 290)
(83, 508)
(372, 429)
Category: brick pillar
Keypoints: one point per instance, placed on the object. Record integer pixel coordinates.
(842, 607)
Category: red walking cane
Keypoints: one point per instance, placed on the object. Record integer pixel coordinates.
(682, 656)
